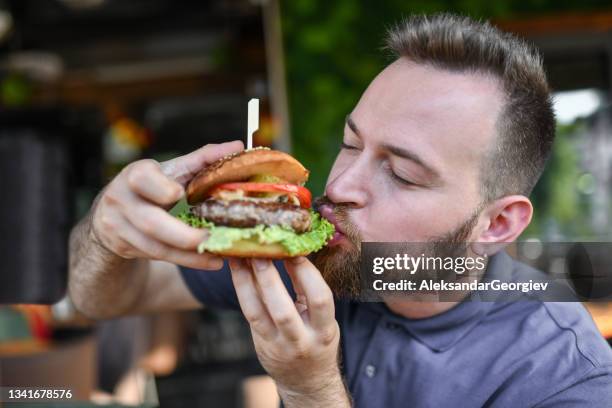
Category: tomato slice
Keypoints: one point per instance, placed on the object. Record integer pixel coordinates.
(302, 193)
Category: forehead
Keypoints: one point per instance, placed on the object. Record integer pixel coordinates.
(448, 117)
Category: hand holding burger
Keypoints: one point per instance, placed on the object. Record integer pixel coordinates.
(130, 219)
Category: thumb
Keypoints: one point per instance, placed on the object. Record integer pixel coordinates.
(184, 168)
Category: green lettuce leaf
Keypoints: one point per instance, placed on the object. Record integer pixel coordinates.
(222, 237)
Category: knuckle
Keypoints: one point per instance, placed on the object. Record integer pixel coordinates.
(146, 228)
(157, 251)
(147, 224)
(110, 198)
(136, 176)
(283, 319)
(120, 247)
(148, 165)
(105, 223)
(320, 302)
(129, 252)
(328, 336)
(259, 327)
(139, 169)
(254, 318)
(293, 338)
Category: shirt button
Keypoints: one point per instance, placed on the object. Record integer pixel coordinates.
(393, 326)
(370, 370)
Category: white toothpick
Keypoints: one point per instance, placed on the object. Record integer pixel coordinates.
(253, 121)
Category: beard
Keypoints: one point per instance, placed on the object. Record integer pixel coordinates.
(341, 266)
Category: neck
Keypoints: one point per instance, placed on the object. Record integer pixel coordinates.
(417, 309)
(424, 305)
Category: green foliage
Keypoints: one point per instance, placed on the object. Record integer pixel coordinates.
(333, 50)
(559, 205)
(15, 90)
(555, 198)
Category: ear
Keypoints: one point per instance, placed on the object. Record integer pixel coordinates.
(502, 222)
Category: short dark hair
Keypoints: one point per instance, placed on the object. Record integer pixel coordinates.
(526, 125)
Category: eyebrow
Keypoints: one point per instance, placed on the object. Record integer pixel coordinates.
(397, 151)
(352, 125)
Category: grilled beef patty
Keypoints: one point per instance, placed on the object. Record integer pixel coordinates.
(244, 214)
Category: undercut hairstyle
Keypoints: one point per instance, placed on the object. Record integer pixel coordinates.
(526, 125)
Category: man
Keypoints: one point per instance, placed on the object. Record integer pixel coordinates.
(444, 145)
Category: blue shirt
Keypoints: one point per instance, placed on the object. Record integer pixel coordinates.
(525, 353)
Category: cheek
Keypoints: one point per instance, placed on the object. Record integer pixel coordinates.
(412, 216)
(394, 220)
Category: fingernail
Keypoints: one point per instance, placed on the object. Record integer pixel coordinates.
(297, 260)
(200, 237)
(236, 263)
(215, 263)
(260, 264)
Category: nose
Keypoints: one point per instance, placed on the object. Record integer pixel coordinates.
(349, 182)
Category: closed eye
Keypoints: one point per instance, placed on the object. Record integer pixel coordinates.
(347, 147)
(397, 178)
(401, 180)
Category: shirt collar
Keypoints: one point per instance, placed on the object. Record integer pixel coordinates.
(442, 331)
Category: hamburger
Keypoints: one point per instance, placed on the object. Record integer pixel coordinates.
(254, 204)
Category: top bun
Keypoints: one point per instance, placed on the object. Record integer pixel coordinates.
(242, 166)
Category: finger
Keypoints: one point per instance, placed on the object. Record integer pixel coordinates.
(319, 297)
(277, 300)
(183, 168)
(147, 180)
(146, 247)
(158, 224)
(300, 298)
(194, 260)
(250, 301)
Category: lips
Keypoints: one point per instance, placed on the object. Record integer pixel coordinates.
(327, 212)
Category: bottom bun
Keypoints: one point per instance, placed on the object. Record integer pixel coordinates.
(252, 249)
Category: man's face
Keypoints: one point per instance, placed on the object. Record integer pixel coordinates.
(409, 169)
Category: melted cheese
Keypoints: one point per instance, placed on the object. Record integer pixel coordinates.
(268, 197)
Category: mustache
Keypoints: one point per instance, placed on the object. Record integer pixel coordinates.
(341, 213)
(321, 200)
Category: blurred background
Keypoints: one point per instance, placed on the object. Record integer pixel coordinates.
(87, 86)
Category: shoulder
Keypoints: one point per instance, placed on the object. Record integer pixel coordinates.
(560, 333)
(591, 381)
(575, 321)
(565, 321)
(546, 349)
